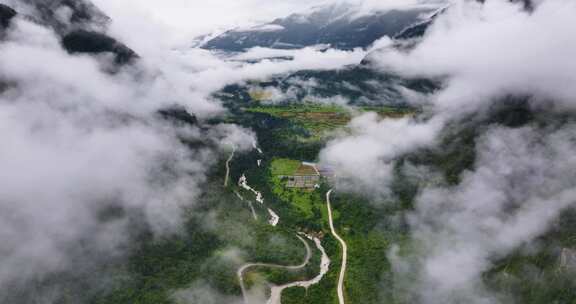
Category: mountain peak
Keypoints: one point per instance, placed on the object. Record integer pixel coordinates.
(342, 25)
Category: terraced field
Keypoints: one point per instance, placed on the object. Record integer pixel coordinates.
(320, 120)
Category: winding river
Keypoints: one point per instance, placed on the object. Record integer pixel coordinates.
(276, 291)
(245, 267)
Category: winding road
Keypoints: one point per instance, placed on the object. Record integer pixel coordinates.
(228, 167)
(243, 269)
(344, 251)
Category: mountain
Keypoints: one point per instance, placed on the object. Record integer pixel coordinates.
(83, 31)
(67, 15)
(81, 26)
(357, 85)
(6, 14)
(343, 26)
(411, 35)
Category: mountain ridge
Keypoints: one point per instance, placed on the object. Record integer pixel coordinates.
(341, 26)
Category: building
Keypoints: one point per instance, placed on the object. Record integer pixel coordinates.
(302, 181)
(305, 177)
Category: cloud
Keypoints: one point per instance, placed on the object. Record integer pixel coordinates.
(189, 18)
(364, 158)
(483, 53)
(199, 72)
(201, 293)
(228, 135)
(522, 179)
(196, 17)
(82, 141)
(86, 156)
(215, 72)
(495, 49)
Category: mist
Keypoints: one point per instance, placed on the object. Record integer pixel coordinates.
(88, 161)
(487, 56)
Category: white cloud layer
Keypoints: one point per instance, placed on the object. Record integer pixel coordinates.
(78, 141)
(495, 49)
(364, 159)
(183, 19)
(522, 181)
(523, 178)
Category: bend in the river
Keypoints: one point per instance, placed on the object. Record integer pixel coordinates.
(245, 267)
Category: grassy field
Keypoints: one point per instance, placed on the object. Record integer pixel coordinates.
(315, 119)
(283, 166)
(320, 120)
(301, 199)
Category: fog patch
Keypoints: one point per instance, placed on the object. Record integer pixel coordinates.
(202, 293)
(523, 180)
(364, 157)
(86, 158)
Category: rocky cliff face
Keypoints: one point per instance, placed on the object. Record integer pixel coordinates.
(68, 15)
(81, 26)
(6, 14)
